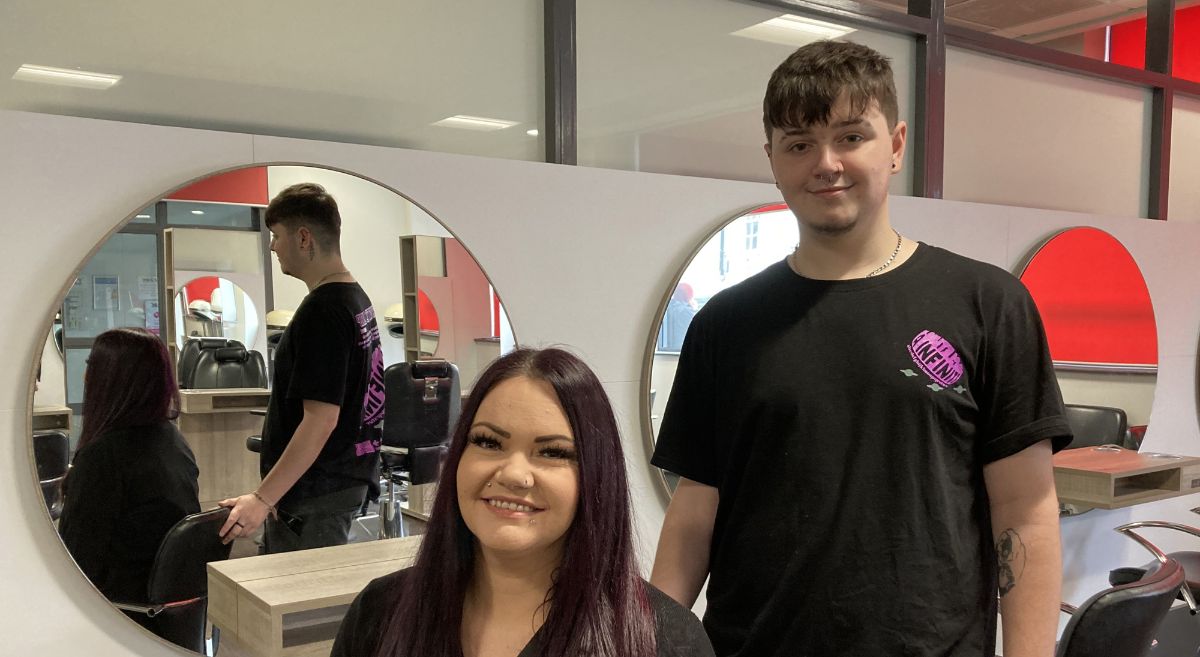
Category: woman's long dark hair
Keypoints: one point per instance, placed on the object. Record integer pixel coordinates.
(598, 605)
(128, 383)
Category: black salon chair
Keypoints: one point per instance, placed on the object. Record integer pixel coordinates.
(1188, 560)
(190, 355)
(422, 403)
(177, 594)
(51, 454)
(1122, 621)
(1097, 425)
(229, 367)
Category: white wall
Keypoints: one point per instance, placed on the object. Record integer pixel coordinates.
(592, 282)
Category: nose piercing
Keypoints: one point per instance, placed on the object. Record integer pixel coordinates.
(489, 485)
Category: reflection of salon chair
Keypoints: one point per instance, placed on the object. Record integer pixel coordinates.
(421, 405)
(1097, 425)
(1122, 621)
(190, 355)
(50, 453)
(229, 367)
(177, 593)
(1188, 560)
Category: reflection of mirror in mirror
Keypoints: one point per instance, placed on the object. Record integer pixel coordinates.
(213, 307)
(205, 247)
(739, 249)
(1100, 327)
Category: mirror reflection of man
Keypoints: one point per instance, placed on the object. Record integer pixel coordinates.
(322, 433)
(864, 429)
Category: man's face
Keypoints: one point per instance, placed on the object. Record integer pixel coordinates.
(835, 175)
(285, 244)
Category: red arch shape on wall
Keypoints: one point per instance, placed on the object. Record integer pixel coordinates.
(1093, 300)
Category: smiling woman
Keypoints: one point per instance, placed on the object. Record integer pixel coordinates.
(529, 545)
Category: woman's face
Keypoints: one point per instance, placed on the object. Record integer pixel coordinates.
(518, 480)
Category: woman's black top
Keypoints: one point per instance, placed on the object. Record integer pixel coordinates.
(123, 493)
(677, 631)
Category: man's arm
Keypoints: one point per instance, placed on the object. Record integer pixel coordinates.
(249, 511)
(681, 563)
(1024, 510)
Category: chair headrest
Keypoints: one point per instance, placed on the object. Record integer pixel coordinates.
(424, 369)
(230, 354)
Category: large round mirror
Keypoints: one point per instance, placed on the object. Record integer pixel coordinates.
(740, 247)
(232, 322)
(1101, 331)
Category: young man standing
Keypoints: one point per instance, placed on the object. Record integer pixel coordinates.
(863, 430)
(321, 437)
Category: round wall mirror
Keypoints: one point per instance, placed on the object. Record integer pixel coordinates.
(739, 248)
(215, 307)
(204, 250)
(1102, 334)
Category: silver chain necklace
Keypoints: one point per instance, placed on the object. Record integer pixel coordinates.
(892, 258)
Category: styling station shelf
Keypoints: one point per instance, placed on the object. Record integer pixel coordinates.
(215, 424)
(291, 604)
(1113, 478)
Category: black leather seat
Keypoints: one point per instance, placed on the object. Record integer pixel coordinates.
(177, 594)
(1188, 560)
(190, 355)
(1122, 621)
(51, 454)
(1097, 425)
(421, 405)
(229, 367)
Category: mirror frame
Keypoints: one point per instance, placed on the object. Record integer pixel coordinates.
(647, 423)
(47, 325)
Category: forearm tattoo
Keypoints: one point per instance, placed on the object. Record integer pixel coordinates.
(1010, 557)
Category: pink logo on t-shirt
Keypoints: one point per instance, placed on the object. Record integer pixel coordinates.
(936, 357)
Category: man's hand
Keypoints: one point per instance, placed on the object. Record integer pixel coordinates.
(247, 514)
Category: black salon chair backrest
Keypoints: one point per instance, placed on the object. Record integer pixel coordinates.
(179, 577)
(1096, 425)
(189, 356)
(1122, 621)
(421, 404)
(51, 454)
(229, 367)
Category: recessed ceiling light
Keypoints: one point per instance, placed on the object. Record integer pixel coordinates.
(143, 216)
(197, 211)
(65, 76)
(532, 133)
(790, 30)
(474, 123)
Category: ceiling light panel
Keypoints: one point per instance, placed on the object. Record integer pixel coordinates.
(480, 123)
(65, 77)
(790, 30)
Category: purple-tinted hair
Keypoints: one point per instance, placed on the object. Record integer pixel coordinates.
(128, 383)
(598, 605)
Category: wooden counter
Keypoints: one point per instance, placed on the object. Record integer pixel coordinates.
(1113, 479)
(215, 424)
(291, 604)
(52, 417)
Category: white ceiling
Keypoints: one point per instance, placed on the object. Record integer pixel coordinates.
(381, 72)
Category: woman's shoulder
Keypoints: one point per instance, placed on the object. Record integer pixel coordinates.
(367, 616)
(678, 632)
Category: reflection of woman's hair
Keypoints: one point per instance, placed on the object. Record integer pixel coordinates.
(598, 604)
(128, 383)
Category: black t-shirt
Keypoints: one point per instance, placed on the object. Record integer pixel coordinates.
(845, 425)
(678, 632)
(126, 489)
(330, 352)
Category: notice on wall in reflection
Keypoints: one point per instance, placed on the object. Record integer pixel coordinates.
(151, 308)
(147, 288)
(71, 305)
(104, 293)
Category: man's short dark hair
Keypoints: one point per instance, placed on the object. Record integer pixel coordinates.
(805, 87)
(308, 205)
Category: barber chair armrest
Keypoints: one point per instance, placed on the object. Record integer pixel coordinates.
(254, 443)
(1127, 530)
(261, 412)
(153, 610)
(394, 451)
